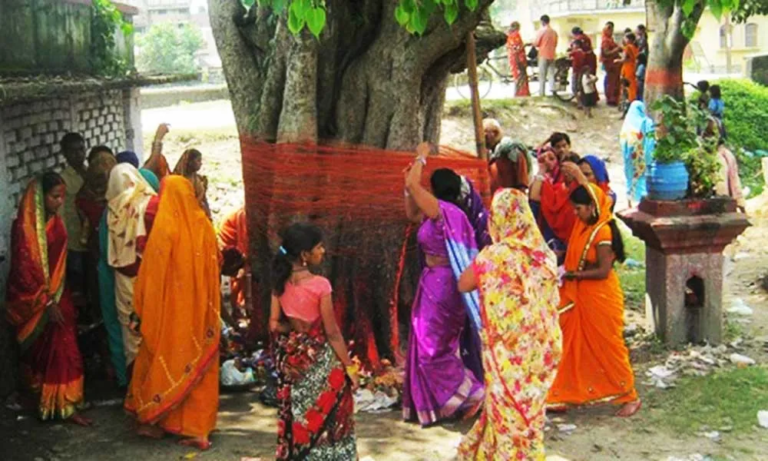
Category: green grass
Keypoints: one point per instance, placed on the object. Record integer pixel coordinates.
(632, 279)
(726, 399)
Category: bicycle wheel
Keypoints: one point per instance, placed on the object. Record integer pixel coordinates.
(484, 83)
(561, 90)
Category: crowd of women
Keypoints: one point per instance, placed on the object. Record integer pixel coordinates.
(518, 310)
(134, 248)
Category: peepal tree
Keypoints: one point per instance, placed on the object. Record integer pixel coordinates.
(673, 24)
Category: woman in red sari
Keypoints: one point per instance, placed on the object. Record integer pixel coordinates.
(518, 61)
(40, 307)
(609, 53)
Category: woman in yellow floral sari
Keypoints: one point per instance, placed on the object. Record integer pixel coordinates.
(517, 279)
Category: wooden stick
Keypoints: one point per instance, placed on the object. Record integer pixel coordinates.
(476, 114)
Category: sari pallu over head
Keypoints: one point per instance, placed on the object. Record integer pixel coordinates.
(38, 266)
(177, 298)
(517, 278)
(601, 175)
(128, 196)
(638, 141)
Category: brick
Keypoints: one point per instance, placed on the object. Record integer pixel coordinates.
(18, 172)
(53, 126)
(50, 162)
(38, 107)
(12, 161)
(41, 127)
(20, 146)
(10, 136)
(55, 148)
(95, 113)
(42, 152)
(34, 141)
(50, 138)
(36, 167)
(100, 120)
(97, 131)
(85, 115)
(28, 156)
(26, 133)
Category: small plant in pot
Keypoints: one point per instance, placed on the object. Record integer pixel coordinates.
(684, 162)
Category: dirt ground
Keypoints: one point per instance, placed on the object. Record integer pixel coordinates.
(247, 428)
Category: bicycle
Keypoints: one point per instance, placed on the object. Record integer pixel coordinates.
(487, 73)
(563, 80)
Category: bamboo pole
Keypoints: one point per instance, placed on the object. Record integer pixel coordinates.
(476, 114)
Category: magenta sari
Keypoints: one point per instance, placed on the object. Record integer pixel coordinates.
(438, 382)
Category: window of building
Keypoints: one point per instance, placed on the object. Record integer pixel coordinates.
(723, 37)
(750, 36)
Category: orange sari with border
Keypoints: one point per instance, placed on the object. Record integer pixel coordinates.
(628, 70)
(51, 360)
(595, 365)
(176, 373)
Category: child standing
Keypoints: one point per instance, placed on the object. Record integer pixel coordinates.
(588, 90)
(716, 107)
(642, 62)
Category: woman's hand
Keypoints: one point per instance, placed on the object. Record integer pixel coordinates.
(54, 313)
(423, 150)
(162, 130)
(573, 171)
(355, 380)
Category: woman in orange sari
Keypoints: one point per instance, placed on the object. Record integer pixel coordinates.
(609, 52)
(628, 63)
(175, 385)
(518, 61)
(38, 304)
(595, 365)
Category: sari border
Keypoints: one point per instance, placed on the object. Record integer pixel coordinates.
(566, 308)
(152, 417)
(598, 401)
(26, 342)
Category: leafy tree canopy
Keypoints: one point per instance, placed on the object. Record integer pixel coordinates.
(413, 15)
(170, 49)
(740, 10)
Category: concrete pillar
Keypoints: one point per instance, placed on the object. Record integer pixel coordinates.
(132, 118)
(666, 278)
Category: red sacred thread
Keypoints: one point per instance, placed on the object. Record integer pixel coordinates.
(355, 194)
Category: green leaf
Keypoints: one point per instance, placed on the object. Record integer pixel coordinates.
(248, 3)
(419, 21)
(401, 16)
(296, 20)
(278, 6)
(451, 13)
(471, 4)
(688, 6)
(716, 8)
(408, 6)
(316, 21)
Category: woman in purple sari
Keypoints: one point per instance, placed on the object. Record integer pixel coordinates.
(438, 383)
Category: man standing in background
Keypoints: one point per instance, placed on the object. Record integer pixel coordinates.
(546, 43)
(73, 149)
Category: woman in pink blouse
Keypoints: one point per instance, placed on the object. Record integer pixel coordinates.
(316, 376)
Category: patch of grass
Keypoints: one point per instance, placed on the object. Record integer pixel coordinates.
(729, 398)
(632, 278)
(733, 330)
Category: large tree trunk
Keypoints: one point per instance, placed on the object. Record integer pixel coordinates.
(665, 65)
(365, 81)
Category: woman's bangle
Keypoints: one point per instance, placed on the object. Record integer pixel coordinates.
(422, 160)
(407, 194)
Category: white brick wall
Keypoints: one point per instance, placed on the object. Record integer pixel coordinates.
(29, 143)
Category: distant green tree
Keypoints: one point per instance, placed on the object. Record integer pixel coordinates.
(169, 49)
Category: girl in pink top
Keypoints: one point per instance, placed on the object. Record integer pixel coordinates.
(316, 377)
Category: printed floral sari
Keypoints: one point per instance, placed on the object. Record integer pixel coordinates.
(517, 277)
(314, 399)
(51, 359)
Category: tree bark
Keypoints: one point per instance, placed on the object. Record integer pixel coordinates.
(665, 65)
(365, 81)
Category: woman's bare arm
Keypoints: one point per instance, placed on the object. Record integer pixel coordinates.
(422, 198)
(467, 281)
(332, 331)
(605, 259)
(275, 324)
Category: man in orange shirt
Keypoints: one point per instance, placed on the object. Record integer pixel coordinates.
(546, 43)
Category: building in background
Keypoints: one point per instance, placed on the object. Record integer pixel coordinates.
(194, 12)
(710, 51)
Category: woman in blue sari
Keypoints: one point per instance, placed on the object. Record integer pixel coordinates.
(637, 145)
(438, 383)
